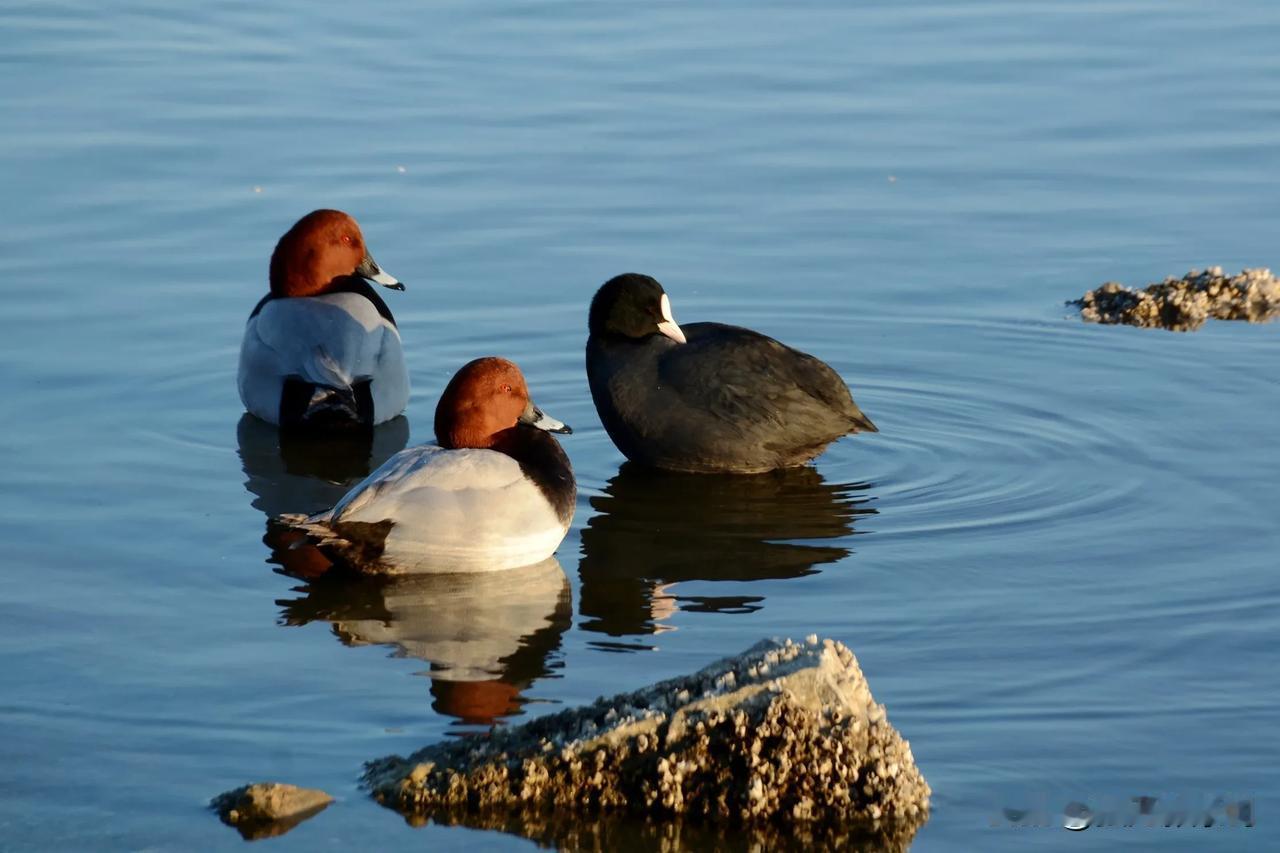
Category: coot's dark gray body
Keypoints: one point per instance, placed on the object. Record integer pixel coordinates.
(728, 400)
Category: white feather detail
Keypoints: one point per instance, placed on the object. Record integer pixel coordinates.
(324, 369)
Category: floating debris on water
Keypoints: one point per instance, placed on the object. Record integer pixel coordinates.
(1183, 304)
(785, 734)
(267, 809)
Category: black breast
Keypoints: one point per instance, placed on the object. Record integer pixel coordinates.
(543, 461)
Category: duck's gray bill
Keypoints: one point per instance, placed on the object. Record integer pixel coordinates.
(369, 269)
(533, 416)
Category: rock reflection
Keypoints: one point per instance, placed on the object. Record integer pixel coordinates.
(653, 530)
(609, 833)
(486, 636)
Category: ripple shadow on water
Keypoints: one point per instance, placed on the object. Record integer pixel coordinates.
(653, 530)
(486, 636)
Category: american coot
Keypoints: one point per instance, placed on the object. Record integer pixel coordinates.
(707, 397)
(321, 350)
(497, 492)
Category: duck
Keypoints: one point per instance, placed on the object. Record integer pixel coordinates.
(707, 397)
(321, 351)
(496, 490)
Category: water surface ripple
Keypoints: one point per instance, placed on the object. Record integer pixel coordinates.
(1055, 562)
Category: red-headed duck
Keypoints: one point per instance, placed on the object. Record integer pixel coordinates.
(495, 492)
(707, 397)
(322, 350)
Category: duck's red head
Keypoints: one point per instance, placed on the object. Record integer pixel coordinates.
(319, 252)
(483, 399)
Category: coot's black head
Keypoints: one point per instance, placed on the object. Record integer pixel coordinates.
(633, 306)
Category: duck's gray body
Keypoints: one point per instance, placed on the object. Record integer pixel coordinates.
(728, 400)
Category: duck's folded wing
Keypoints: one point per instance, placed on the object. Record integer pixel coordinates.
(406, 482)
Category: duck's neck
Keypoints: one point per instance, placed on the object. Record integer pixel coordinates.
(345, 284)
(543, 461)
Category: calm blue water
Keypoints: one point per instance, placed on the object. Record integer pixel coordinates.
(1056, 562)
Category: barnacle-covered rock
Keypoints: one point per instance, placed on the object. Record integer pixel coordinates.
(1183, 304)
(784, 735)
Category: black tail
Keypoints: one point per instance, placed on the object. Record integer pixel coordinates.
(309, 549)
(307, 406)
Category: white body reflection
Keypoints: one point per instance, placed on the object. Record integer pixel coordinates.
(487, 636)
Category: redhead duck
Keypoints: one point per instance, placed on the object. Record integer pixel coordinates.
(496, 492)
(322, 350)
(707, 397)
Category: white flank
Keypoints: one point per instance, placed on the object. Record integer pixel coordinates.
(454, 511)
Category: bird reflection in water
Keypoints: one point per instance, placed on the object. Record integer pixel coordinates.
(653, 530)
(298, 472)
(486, 635)
(307, 473)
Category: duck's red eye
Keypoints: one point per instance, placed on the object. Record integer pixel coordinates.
(346, 238)
(506, 389)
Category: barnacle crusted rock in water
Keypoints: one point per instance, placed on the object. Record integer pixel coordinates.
(784, 733)
(266, 809)
(1183, 304)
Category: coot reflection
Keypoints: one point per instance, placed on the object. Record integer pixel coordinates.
(487, 636)
(654, 529)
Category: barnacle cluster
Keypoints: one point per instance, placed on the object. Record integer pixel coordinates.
(1183, 304)
(785, 734)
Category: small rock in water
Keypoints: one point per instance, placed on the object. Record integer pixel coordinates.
(1183, 304)
(801, 744)
(266, 809)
